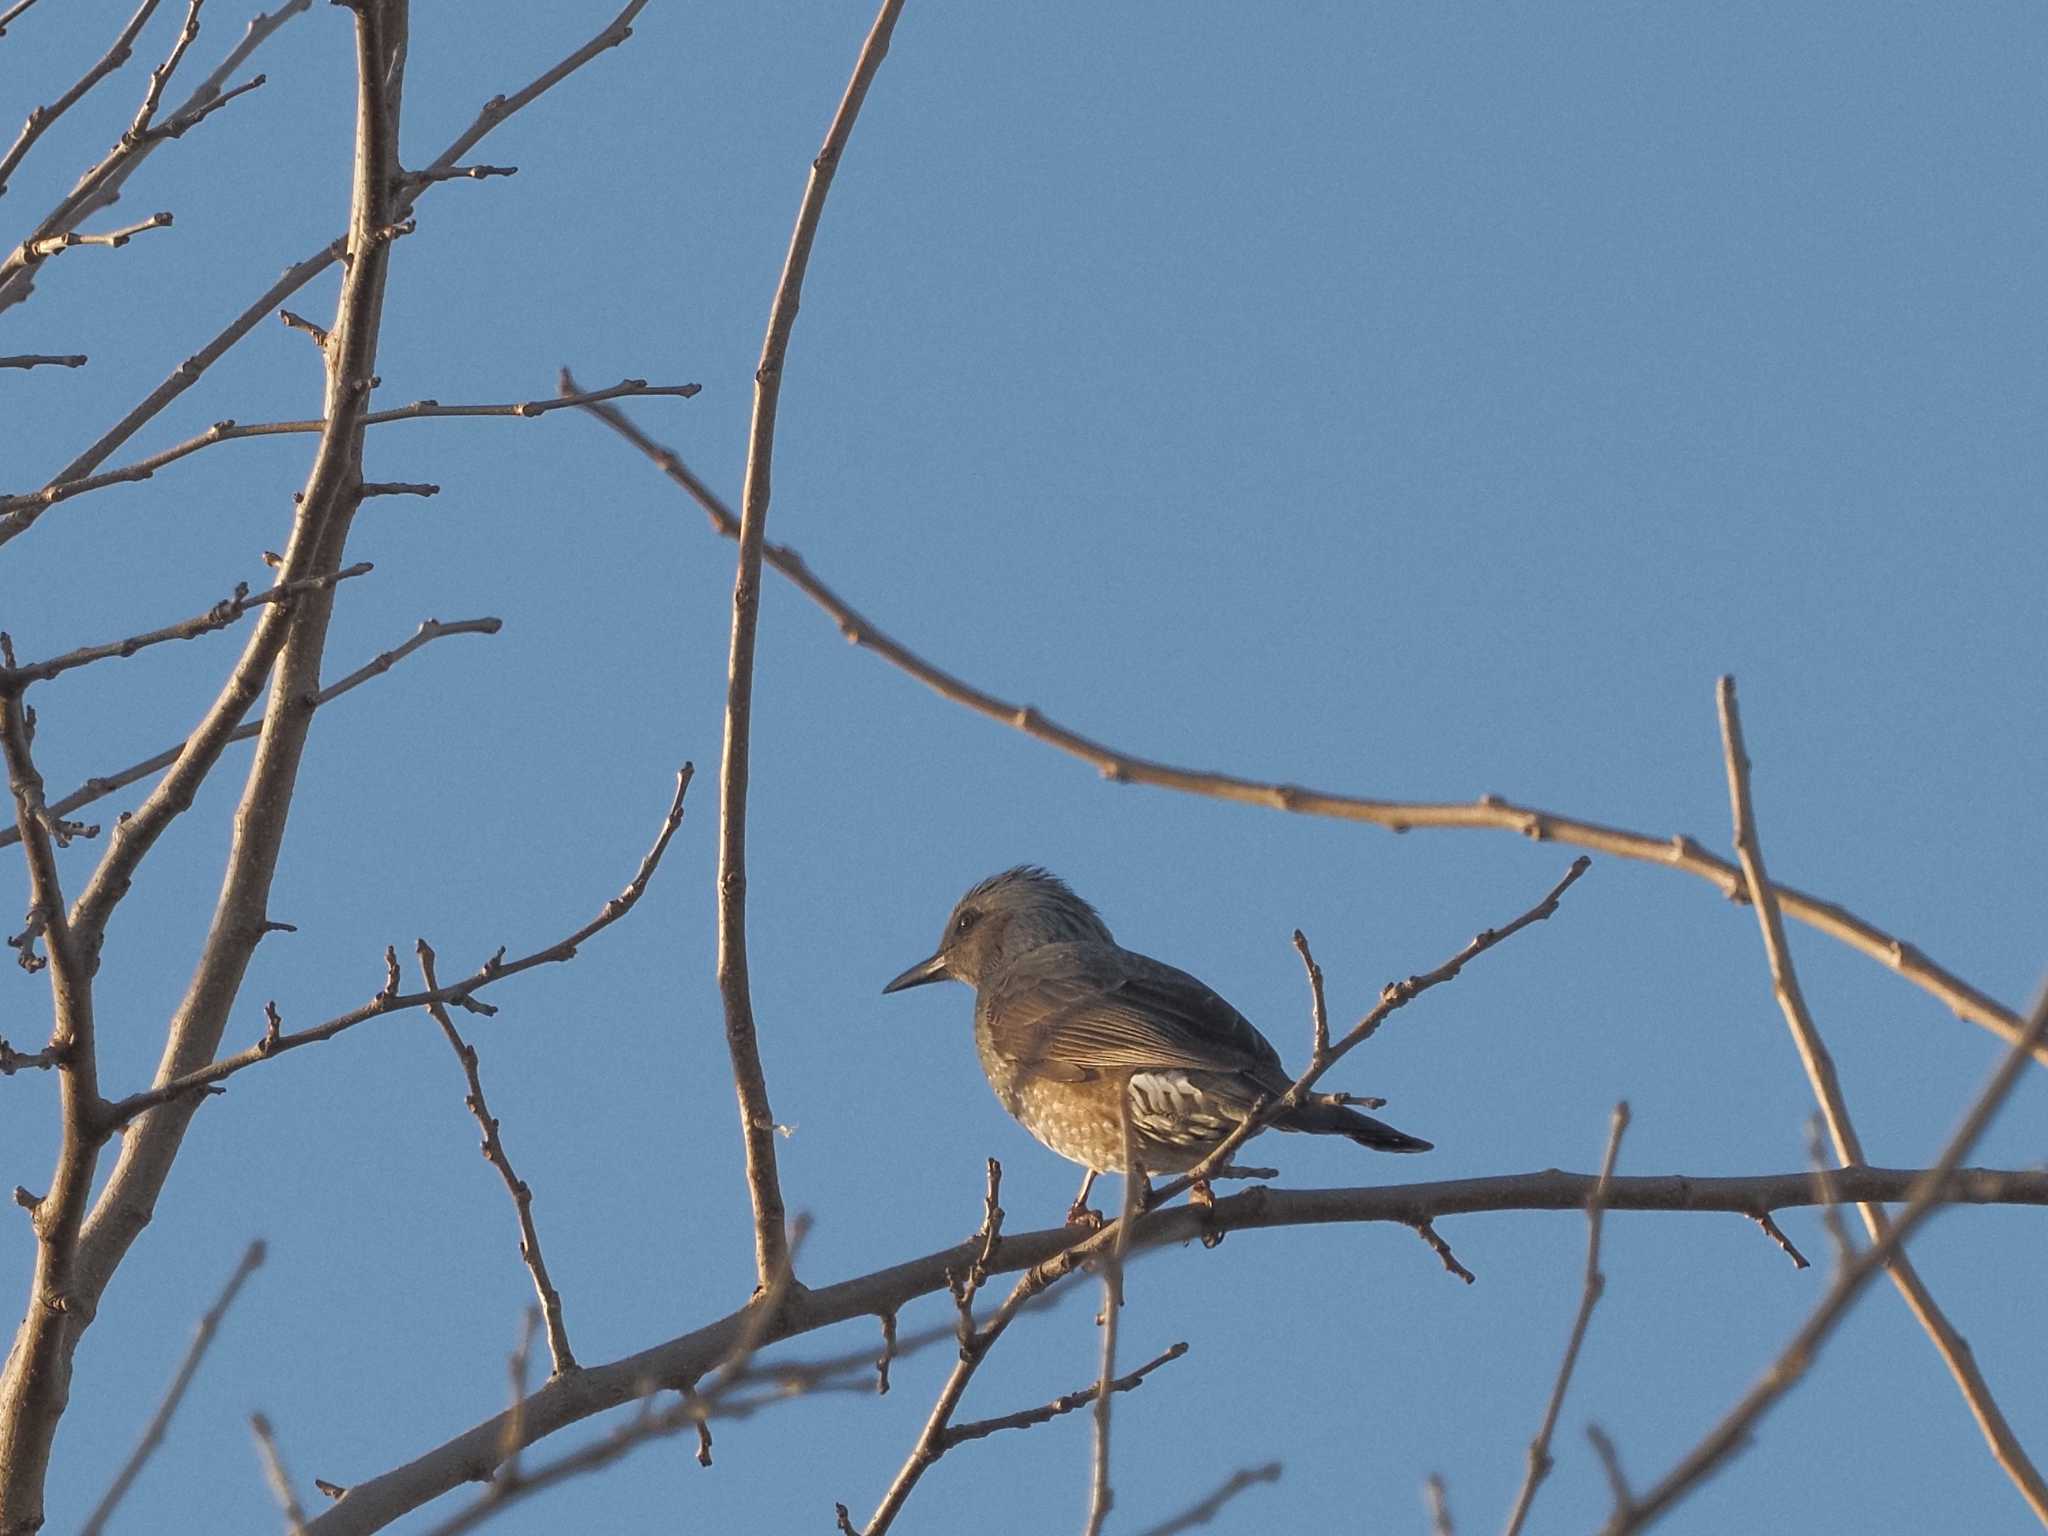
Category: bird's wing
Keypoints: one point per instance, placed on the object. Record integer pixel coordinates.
(1076, 1010)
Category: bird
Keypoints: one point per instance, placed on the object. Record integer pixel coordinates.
(1068, 1024)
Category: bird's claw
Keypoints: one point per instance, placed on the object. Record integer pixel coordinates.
(1080, 1215)
(1203, 1199)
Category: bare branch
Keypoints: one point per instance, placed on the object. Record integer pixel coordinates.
(13, 1061)
(888, 1348)
(1488, 812)
(1928, 1195)
(1210, 1507)
(219, 616)
(8, 16)
(1589, 1297)
(1776, 1234)
(1047, 1255)
(40, 119)
(1319, 1013)
(284, 648)
(161, 75)
(19, 512)
(1426, 1230)
(44, 360)
(100, 186)
(100, 787)
(1027, 1418)
(757, 1120)
(1827, 1090)
(390, 1000)
(1393, 996)
(1101, 1497)
(1438, 1498)
(1618, 1488)
(457, 173)
(188, 372)
(563, 1357)
(275, 1474)
(35, 1383)
(35, 250)
(1830, 1197)
(153, 1432)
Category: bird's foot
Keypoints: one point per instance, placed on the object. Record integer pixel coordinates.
(1080, 1214)
(1203, 1199)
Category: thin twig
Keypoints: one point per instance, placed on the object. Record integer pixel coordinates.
(390, 1000)
(563, 1357)
(1426, 1230)
(159, 77)
(1490, 812)
(1834, 1106)
(1211, 1505)
(219, 616)
(9, 16)
(100, 187)
(44, 360)
(100, 786)
(1776, 1234)
(1589, 1297)
(1393, 996)
(757, 1120)
(1319, 1013)
(1438, 1499)
(1027, 1418)
(41, 118)
(42, 249)
(1101, 1497)
(1830, 1197)
(189, 371)
(34, 503)
(153, 1432)
(515, 1372)
(275, 1474)
(888, 1352)
(1737, 1428)
(1618, 1488)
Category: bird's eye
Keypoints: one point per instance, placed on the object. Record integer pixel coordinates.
(965, 921)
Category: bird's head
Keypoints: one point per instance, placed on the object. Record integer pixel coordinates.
(1000, 919)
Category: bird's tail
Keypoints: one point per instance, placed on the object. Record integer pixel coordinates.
(1340, 1120)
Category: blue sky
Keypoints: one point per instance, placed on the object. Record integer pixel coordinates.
(1416, 401)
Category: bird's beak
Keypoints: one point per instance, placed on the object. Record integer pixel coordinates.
(921, 974)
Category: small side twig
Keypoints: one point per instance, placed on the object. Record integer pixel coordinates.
(44, 360)
(494, 1152)
(1589, 1297)
(1026, 1418)
(1211, 1505)
(20, 510)
(1393, 996)
(153, 1432)
(1737, 1428)
(1101, 1497)
(1319, 1013)
(888, 1353)
(389, 999)
(1618, 1488)
(223, 613)
(275, 1474)
(98, 788)
(1427, 1231)
(1819, 1067)
(1438, 1499)
(1776, 1234)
